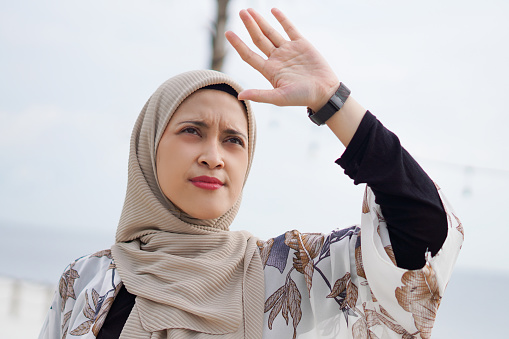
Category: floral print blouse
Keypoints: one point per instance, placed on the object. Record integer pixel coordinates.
(344, 284)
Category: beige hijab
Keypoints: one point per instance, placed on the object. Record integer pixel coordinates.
(192, 278)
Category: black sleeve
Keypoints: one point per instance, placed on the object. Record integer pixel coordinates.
(409, 200)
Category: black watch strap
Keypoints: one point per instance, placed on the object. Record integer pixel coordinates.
(332, 106)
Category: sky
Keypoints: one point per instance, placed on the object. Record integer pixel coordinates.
(74, 76)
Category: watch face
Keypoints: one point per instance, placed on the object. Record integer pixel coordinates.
(336, 102)
(343, 92)
(331, 107)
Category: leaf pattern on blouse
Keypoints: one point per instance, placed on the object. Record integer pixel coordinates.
(95, 312)
(335, 236)
(66, 284)
(101, 316)
(101, 309)
(65, 323)
(389, 321)
(265, 247)
(274, 252)
(307, 246)
(287, 300)
(346, 294)
(388, 249)
(83, 328)
(96, 306)
(89, 313)
(361, 329)
(358, 263)
(103, 253)
(460, 226)
(365, 202)
(66, 319)
(310, 249)
(420, 296)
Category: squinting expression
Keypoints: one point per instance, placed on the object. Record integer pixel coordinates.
(202, 156)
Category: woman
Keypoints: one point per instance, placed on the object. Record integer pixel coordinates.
(176, 271)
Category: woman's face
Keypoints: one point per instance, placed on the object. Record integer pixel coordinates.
(202, 156)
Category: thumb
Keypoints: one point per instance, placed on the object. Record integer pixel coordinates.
(269, 96)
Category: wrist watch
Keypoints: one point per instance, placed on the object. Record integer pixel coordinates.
(332, 106)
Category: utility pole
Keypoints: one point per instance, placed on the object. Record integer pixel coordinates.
(218, 39)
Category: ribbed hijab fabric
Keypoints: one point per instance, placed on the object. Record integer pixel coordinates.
(192, 278)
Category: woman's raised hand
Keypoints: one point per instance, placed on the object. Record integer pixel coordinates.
(297, 71)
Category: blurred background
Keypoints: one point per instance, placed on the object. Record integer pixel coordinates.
(74, 76)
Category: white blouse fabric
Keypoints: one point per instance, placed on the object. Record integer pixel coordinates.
(339, 285)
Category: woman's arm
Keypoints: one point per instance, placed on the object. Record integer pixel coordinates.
(301, 77)
(409, 200)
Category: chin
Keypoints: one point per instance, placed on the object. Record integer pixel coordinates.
(205, 209)
(206, 215)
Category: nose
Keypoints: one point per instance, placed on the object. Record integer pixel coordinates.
(211, 155)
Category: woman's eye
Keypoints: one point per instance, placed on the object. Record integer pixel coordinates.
(189, 130)
(236, 140)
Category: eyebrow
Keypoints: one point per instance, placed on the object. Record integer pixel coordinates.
(205, 125)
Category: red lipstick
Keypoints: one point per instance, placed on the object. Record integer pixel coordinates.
(208, 183)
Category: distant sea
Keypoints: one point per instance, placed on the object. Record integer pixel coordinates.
(40, 254)
(474, 305)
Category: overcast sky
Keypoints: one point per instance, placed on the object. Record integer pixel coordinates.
(74, 76)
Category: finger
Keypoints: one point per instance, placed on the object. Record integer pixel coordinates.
(289, 28)
(269, 96)
(273, 35)
(259, 39)
(250, 57)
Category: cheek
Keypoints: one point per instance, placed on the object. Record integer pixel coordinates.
(240, 173)
(164, 176)
(169, 169)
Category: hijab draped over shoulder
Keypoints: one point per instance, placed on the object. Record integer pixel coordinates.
(192, 278)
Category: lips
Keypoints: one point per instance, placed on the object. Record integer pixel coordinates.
(208, 183)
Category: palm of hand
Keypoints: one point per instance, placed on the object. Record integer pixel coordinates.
(297, 71)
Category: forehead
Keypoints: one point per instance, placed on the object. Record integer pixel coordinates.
(213, 106)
